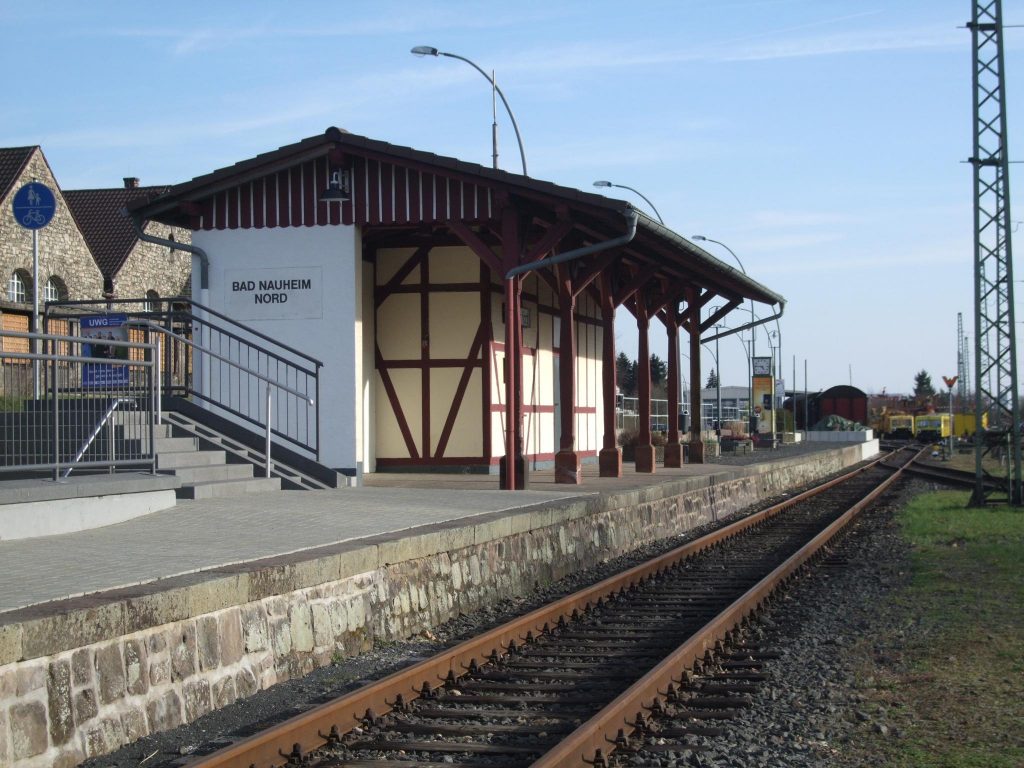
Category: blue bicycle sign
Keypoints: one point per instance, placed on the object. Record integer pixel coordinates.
(34, 205)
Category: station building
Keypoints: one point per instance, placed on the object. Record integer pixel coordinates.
(461, 314)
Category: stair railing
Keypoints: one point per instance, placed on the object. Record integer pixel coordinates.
(104, 421)
(42, 433)
(269, 382)
(198, 371)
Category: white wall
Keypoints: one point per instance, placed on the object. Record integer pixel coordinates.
(322, 321)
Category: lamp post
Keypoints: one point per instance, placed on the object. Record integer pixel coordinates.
(426, 50)
(635, 191)
(753, 352)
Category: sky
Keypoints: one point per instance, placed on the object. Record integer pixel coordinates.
(823, 141)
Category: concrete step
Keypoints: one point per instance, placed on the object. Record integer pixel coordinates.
(226, 488)
(176, 444)
(165, 460)
(211, 473)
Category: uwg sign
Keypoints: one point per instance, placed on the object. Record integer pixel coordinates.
(291, 293)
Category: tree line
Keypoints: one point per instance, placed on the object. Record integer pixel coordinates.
(626, 376)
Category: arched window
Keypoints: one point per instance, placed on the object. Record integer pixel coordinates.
(152, 302)
(55, 290)
(18, 287)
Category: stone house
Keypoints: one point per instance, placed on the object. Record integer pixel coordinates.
(131, 267)
(87, 251)
(67, 269)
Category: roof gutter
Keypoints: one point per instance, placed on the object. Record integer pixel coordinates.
(578, 253)
(204, 260)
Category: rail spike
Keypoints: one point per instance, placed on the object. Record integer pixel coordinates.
(294, 757)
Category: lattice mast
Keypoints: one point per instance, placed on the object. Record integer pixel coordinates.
(961, 364)
(995, 368)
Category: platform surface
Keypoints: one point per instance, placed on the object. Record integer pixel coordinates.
(208, 533)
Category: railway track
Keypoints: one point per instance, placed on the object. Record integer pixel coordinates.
(647, 661)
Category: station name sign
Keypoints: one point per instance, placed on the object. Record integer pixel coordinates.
(290, 293)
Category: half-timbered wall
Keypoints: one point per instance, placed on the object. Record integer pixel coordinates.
(541, 365)
(430, 357)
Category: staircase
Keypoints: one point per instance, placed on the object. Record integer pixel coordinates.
(236, 451)
(205, 474)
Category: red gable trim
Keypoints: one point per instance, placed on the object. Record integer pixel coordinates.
(382, 193)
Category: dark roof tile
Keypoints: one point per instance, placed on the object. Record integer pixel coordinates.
(108, 234)
(12, 163)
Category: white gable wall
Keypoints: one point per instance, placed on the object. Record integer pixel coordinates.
(324, 322)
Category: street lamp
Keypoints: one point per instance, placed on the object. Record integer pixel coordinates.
(426, 50)
(636, 191)
(753, 346)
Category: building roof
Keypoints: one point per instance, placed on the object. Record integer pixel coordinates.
(655, 249)
(109, 234)
(12, 162)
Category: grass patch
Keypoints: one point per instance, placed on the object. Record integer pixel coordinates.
(956, 693)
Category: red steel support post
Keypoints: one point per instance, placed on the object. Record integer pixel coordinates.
(610, 458)
(567, 461)
(673, 449)
(644, 449)
(696, 450)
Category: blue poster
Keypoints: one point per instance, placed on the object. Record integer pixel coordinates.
(98, 330)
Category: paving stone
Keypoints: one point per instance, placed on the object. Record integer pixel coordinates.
(159, 671)
(323, 627)
(68, 759)
(110, 673)
(81, 667)
(208, 642)
(31, 677)
(164, 713)
(8, 683)
(4, 739)
(183, 652)
(229, 627)
(86, 707)
(59, 700)
(133, 722)
(104, 737)
(135, 663)
(246, 683)
(254, 628)
(196, 696)
(223, 692)
(28, 729)
(280, 636)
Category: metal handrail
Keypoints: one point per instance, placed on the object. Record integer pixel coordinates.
(95, 433)
(245, 369)
(183, 299)
(228, 360)
(150, 361)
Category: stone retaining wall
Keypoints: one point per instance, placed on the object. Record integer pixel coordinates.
(86, 676)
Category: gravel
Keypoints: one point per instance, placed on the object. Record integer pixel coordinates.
(801, 717)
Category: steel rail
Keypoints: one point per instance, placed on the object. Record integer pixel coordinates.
(580, 747)
(313, 729)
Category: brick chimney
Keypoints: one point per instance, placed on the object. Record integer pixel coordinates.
(131, 182)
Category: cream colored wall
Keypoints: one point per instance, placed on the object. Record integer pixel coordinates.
(540, 388)
(454, 319)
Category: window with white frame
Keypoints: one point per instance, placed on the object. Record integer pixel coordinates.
(17, 287)
(54, 290)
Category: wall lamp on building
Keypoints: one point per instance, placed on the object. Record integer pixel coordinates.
(338, 189)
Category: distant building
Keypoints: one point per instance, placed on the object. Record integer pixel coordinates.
(87, 251)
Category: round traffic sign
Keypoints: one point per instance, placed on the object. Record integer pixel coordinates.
(34, 205)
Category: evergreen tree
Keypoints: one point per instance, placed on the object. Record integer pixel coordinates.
(625, 374)
(923, 385)
(659, 369)
(712, 380)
